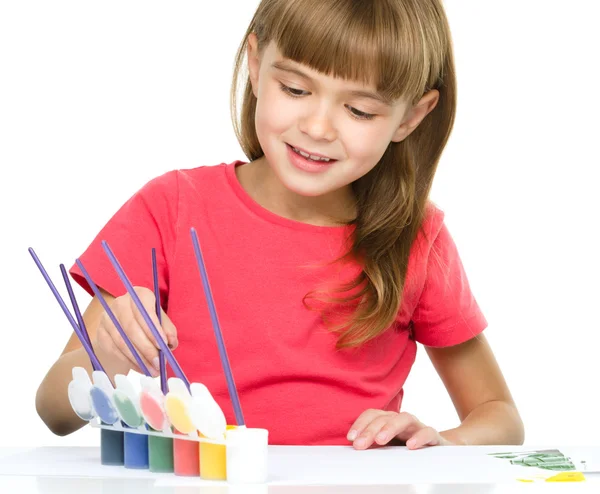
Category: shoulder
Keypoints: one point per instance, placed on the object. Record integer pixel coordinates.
(193, 175)
(436, 255)
(431, 227)
(432, 249)
(173, 183)
(164, 184)
(206, 176)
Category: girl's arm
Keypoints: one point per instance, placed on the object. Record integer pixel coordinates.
(51, 401)
(479, 393)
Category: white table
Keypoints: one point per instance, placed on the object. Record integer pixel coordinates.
(296, 470)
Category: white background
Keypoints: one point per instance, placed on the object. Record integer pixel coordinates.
(96, 98)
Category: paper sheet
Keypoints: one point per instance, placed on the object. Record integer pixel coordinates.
(325, 465)
(585, 460)
(61, 462)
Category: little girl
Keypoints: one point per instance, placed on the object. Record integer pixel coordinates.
(327, 261)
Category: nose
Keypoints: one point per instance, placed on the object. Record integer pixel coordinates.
(318, 125)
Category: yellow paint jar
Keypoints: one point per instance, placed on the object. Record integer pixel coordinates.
(213, 460)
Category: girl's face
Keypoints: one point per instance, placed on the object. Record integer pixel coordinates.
(347, 125)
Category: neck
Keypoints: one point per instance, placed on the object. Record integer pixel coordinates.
(331, 209)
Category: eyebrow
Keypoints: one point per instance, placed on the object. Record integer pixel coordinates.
(286, 67)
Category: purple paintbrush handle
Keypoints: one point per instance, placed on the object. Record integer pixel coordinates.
(233, 394)
(136, 299)
(114, 319)
(162, 364)
(75, 305)
(78, 315)
(94, 360)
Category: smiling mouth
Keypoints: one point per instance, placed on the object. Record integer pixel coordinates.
(318, 158)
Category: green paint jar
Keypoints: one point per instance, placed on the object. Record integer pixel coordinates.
(160, 453)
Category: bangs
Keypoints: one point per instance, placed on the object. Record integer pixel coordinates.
(373, 42)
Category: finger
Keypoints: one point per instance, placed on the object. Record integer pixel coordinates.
(113, 352)
(404, 426)
(148, 301)
(144, 347)
(170, 330)
(400, 425)
(372, 430)
(107, 351)
(427, 436)
(361, 422)
(143, 344)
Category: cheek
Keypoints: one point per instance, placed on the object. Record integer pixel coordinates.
(367, 141)
(265, 117)
(274, 112)
(267, 126)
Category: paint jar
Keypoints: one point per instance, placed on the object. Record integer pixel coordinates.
(247, 455)
(185, 452)
(111, 442)
(135, 451)
(111, 447)
(160, 449)
(160, 454)
(213, 461)
(186, 462)
(126, 402)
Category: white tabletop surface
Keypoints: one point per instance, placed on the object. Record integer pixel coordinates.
(296, 470)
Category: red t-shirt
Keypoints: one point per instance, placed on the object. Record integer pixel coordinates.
(290, 377)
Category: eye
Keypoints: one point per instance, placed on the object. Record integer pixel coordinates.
(295, 93)
(360, 115)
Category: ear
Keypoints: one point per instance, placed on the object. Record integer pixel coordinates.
(416, 114)
(253, 62)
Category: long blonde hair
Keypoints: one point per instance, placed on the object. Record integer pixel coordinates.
(404, 48)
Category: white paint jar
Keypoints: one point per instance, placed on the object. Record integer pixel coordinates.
(247, 455)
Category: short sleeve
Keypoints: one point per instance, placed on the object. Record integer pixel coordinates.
(147, 220)
(447, 313)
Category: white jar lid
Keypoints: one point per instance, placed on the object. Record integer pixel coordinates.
(247, 435)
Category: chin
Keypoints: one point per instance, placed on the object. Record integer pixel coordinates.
(305, 189)
(305, 184)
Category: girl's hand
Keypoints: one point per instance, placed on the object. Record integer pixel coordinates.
(111, 348)
(380, 427)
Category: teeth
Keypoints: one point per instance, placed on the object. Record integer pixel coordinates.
(311, 156)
